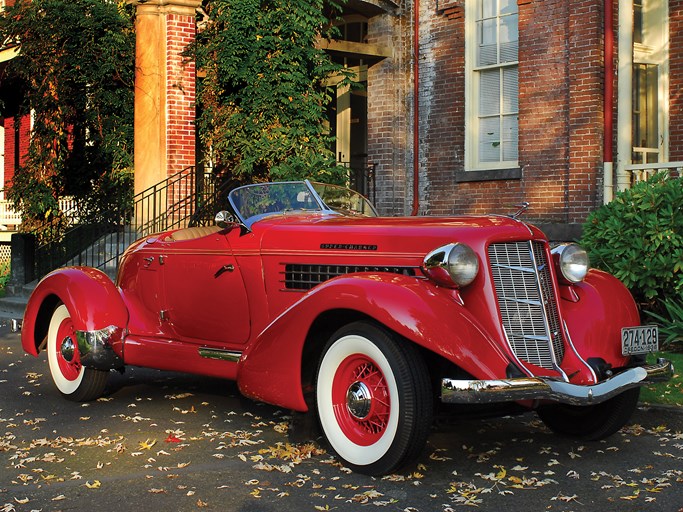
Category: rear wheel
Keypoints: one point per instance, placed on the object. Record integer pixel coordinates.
(374, 398)
(73, 380)
(592, 422)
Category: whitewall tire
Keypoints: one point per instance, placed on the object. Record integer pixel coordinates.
(373, 398)
(72, 379)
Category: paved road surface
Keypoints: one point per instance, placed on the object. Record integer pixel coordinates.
(163, 441)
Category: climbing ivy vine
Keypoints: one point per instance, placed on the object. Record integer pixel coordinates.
(266, 87)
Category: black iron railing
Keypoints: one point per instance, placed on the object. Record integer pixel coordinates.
(362, 179)
(100, 242)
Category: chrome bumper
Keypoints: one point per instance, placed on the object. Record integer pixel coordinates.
(541, 388)
(95, 348)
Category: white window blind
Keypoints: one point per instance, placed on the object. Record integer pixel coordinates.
(494, 94)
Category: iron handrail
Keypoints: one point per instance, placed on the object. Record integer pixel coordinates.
(100, 242)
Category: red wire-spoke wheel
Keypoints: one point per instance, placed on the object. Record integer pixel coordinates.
(71, 378)
(373, 397)
(361, 399)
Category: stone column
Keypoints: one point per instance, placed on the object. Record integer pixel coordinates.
(164, 90)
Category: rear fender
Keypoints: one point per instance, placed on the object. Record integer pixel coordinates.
(421, 312)
(91, 297)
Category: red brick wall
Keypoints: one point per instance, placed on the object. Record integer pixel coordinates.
(180, 94)
(586, 72)
(560, 127)
(442, 110)
(180, 98)
(16, 144)
(676, 80)
(389, 113)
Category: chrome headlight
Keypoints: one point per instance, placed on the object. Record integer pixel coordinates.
(453, 265)
(572, 261)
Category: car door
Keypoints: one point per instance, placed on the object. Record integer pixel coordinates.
(205, 297)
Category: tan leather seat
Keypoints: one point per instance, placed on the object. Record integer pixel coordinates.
(194, 232)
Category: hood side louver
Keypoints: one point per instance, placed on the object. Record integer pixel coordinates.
(305, 277)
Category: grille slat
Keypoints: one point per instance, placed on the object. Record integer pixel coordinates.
(305, 277)
(526, 301)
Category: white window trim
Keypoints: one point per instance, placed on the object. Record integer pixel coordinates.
(660, 56)
(472, 162)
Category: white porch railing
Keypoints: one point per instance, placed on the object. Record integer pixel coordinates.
(10, 218)
(641, 172)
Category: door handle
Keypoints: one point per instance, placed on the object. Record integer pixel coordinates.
(225, 268)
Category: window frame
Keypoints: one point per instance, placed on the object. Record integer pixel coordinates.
(653, 50)
(472, 103)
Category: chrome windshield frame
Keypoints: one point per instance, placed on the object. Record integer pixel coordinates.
(315, 203)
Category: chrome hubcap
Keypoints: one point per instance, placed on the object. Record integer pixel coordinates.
(68, 349)
(359, 400)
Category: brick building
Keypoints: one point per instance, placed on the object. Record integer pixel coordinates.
(465, 106)
(471, 106)
(544, 101)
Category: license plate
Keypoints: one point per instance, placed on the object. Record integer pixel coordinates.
(639, 340)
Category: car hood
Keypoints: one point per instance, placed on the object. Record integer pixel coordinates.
(405, 235)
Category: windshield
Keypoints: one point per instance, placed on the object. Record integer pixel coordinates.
(344, 200)
(253, 202)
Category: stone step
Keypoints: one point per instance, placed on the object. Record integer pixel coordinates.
(105, 249)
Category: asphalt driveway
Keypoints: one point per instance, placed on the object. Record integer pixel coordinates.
(166, 441)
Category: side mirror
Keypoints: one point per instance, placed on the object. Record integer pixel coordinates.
(223, 219)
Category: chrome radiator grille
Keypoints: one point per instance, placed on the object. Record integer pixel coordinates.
(528, 308)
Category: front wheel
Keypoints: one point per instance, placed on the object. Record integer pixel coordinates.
(373, 398)
(591, 422)
(72, 379)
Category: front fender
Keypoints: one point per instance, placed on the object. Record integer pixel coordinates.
(270, 369)
(93, 301)
(595, 320)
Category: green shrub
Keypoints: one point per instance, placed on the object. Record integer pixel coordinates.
(4, 276)
(638, 237)
(670, 322)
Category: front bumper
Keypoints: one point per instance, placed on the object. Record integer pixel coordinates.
(541, 388)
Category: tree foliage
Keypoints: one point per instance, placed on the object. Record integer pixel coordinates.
(263, 100)
(76, 69)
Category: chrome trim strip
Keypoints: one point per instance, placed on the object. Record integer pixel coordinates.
(540, 388)
(570, 344)
(224, 355)
(95, 348)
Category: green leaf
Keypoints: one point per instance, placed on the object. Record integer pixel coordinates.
(264, 99)
(76, 71)
(638, 237)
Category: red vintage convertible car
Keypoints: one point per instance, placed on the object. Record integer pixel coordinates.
(379, 325)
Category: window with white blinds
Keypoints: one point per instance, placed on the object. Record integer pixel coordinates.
(492, 97)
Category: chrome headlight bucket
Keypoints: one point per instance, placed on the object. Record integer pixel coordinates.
(454, 265)
(572, 262)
